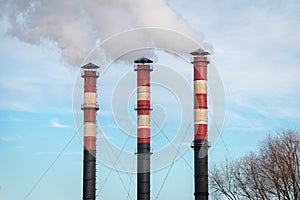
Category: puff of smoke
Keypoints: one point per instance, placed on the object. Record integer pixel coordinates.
(76, 26)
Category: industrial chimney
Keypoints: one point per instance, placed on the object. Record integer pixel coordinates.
(200, 144)
(90, 107)
(143, 68)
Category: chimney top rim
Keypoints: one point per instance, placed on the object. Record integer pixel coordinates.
(90, 66)
(200, 52)
(143, 60)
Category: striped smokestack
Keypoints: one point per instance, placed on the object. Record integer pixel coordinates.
(89, 108)
(143, 68)
(200, 145)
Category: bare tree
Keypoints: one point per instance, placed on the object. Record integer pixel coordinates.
(272, 173)
(280, 162)
(222, 181)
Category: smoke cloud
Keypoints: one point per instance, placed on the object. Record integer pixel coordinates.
(77, 26)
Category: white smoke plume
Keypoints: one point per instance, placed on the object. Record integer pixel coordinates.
(77, 26)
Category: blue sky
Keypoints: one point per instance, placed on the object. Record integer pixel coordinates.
(256, 48)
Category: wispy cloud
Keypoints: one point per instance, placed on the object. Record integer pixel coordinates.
(9, 138)
(41, 153)
(21, 147)
(15, 119)
(182, 144)
(17, 106)
(56, 124)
